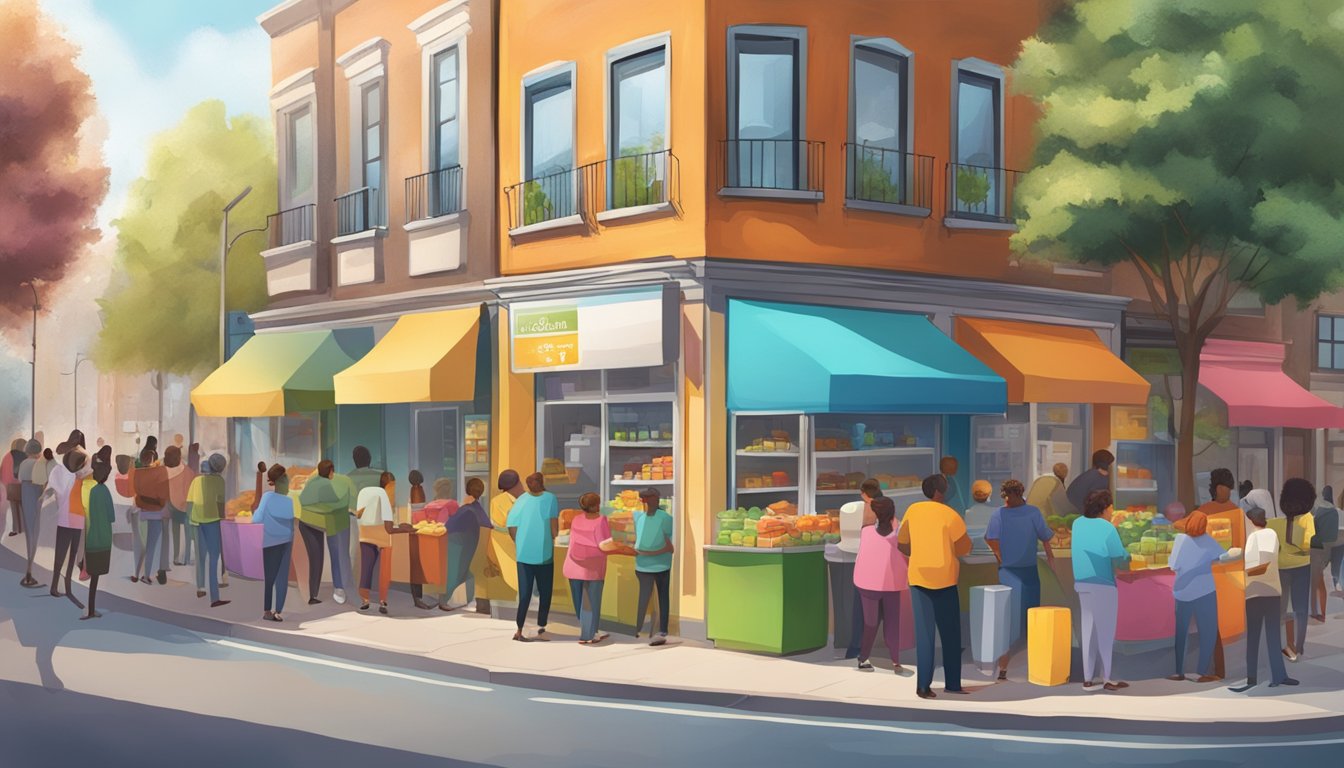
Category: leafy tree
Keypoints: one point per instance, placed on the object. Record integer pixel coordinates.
(161, 310)
(1196, 141)
(51, 187)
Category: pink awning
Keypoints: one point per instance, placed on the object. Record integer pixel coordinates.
(1249, 377)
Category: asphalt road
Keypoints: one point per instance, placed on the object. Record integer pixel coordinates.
(126, 691)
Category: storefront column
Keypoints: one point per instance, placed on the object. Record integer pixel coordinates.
(1101, 433)
(513, 433)
(703, 445)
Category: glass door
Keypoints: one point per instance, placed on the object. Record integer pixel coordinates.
(437, 446)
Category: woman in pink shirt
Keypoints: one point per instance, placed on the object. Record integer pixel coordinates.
(586, 566)
(880, 576)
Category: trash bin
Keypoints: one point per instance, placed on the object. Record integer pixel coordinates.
(991, 623)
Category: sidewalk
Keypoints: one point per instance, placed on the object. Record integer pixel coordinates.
(478, 647)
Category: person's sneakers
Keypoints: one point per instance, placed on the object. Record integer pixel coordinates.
(1244, 687)
(661, 639)
(1115, 685)
(865, 665)
(382, 608)
(163, 577)
(1091, 686)
(339, 596)
(314, 601)
(925, 694)
(218, 603)
(268, 616)
(1286, 681)
(1291, 654)
(541, 636)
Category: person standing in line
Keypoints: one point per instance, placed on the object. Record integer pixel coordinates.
(586, 567)
(321, 509)
(869, 490)
(533, 524)
(1013, 533)
(69, 525)
(442, 510)
(377, 523)
(1193, 556)
(98, 531)
(1325, 517)
(949, 467)
(1221, 507)
(1098, 478)
(1097, 555)
(276, 513)
(1295, 529)
(1337, 554)
(1243, 491)
(32, 481)
(9, 475)
(880, 576)
(1263, 597)
(653, 563)
(1049, 493)
(205, 509)
(511, 489)
(364, 475)
(933, 536)
(180, 478)
(464, 536)
(979, 515)
(150, 482)
(1262, 498)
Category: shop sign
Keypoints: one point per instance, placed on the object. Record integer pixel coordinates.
(626, 329)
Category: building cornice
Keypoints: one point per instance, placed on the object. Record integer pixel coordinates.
(373, 309)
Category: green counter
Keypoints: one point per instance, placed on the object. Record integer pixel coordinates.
(766, 600)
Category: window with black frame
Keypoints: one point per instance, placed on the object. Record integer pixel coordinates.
(550, 188)
(876, 157)
(638, 171)
(372, 147)
(445, 189)
(764, 150)
(976, 176)
(1330, 342)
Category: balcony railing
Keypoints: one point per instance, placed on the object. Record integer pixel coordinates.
(294, 225)
(434, 194)
(633, 181)
(552, 197)
(888, 176)
(359, 211)
(981, 193)
(785, 165)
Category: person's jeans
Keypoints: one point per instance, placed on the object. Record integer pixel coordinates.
(312, 544)
(179, 527)
(589, 612)
(1099, 605)
(660, 580)
(209, 547)
(1263, 615)
(154, 539)
(1026, 586)
(461, 550)
(1337, 563)
(375, 559)
(338, 544)
(32, 519)
(67, 545)
(194, 531)
(542, 578)
(1296, 585)
(137, 543)
(884, 608)
(937, 612)
(855, 627)
(1204, 611)
(275, 561)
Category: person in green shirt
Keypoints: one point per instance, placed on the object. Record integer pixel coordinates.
(653, 562)
(98, 533)
(205, 508)
(324, 512)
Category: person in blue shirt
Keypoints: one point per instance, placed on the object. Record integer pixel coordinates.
(533, 523)
(1013, 533)
(653, 562)
(276, 513)
(1097, 555)
(1192, 558)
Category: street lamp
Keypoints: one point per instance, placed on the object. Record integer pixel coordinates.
(226, 245)
(80, 359)
(32, 416)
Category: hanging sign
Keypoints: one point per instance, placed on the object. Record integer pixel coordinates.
(635, 328)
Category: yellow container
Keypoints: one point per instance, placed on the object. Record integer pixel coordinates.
(1049, 645)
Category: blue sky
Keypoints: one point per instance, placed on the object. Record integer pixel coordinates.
(154, 28)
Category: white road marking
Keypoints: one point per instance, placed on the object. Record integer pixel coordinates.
(347, 667)
(900, 730)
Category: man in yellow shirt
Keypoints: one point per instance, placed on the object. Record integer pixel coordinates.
(497, 564)
(933, 536)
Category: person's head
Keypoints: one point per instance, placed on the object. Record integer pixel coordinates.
(74, 460)
(885, 511)
(1174, 512)
(1013, 492)
(508, 481)
(101, 471)
(1061, 471)
(179, 440)
(935, 487)
(1221, 484)
(152, 443)
(76, 440)
(1245, 489)
(361, 456)
(870, 489)
(590, 503)
(948, 465)
(104, 455)
(475, 487)
(276, 478)
(1257, 516)
(1262, 498)
(32, 448)
(148, 456)
(651, 498)
(981, 491)
(1102, 460)
(385, 479)
(326, 468)
(1096, 503)
(101, 442)
(216, 463)
(193, 455)
(415, 478)
(48, 455)
(1328, 494)
(443, 488)
(536, 484)
(1297, 497)
(17, 444)
(172, 456)
(1195, 524)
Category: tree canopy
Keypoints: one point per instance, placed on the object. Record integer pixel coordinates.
(161, 309)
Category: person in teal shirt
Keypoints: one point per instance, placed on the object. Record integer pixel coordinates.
(533, 523)
(1097, 555)
(653, 562)
(98, 528)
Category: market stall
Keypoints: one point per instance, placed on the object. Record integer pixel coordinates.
(821, 398)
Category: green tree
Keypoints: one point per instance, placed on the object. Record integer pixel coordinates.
(1196, 140)
(161, 308)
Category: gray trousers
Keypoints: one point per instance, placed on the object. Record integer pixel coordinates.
(32, 518)
(137, 543)
(1100, 605)
(1262, 615)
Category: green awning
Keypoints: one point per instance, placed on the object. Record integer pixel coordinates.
(273, 374)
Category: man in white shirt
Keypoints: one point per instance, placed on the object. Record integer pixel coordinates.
(1263, 597)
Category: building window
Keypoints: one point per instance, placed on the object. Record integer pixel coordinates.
(767, 71)
(879, 123)
(445, 98)
(372, 120)
(638, 130)
(551, 190)
(977, 172)
(299, 156)
(1330, 342)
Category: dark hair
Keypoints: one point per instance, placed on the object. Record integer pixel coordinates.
(101, 471)
(1297, 498)
(885, 509)
(1012, 487)
(152, 443)
(1221, 476)
(274, 474)
(48, 455)
(475, 487)
(1096, 503)
(934, 485)
(172, 456)
(325, 468)
(1257, 516)
(536, 483)
(1102, 459)
(508, 480)
(1245, 489)
(1328, 494)
(104, 455)
(385, 479)
(362, 457)
(148, 455)
(589, 500)
(871, 488)
(650, 495)
(415, 477)
(74, 460)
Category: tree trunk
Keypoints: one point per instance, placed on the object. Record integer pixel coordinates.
(1188, 347)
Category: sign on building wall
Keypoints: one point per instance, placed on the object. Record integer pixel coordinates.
(626, 329)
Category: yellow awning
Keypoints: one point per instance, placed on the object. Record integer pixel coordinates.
(1051, 363)
(273, 374)
(425, 358)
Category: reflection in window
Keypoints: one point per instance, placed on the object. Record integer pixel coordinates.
(768, 123)
(638, 128)
(372, 98)
(299, 173)
(977, 179)
(1330, 342)
(548, 150)
(877, 162)
(445, 97)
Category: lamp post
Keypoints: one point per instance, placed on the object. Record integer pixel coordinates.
(32, 416)
(80, 359)
(224, 246)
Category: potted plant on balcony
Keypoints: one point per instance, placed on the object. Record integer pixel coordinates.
(874, 181)
(972, 186)
(537, 205)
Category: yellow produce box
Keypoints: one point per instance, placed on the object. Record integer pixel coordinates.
(1049, 645)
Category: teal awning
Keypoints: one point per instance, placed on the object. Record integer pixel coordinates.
(798, 357)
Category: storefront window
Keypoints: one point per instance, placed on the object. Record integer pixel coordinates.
(1061, 438)
(570, 385)
(294, 441)
(768, 461)
(1001, 446)
(436, 446)
(642, 381)
(570, 442)
(897, 451)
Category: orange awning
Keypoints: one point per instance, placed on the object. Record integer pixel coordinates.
(1051, 363)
